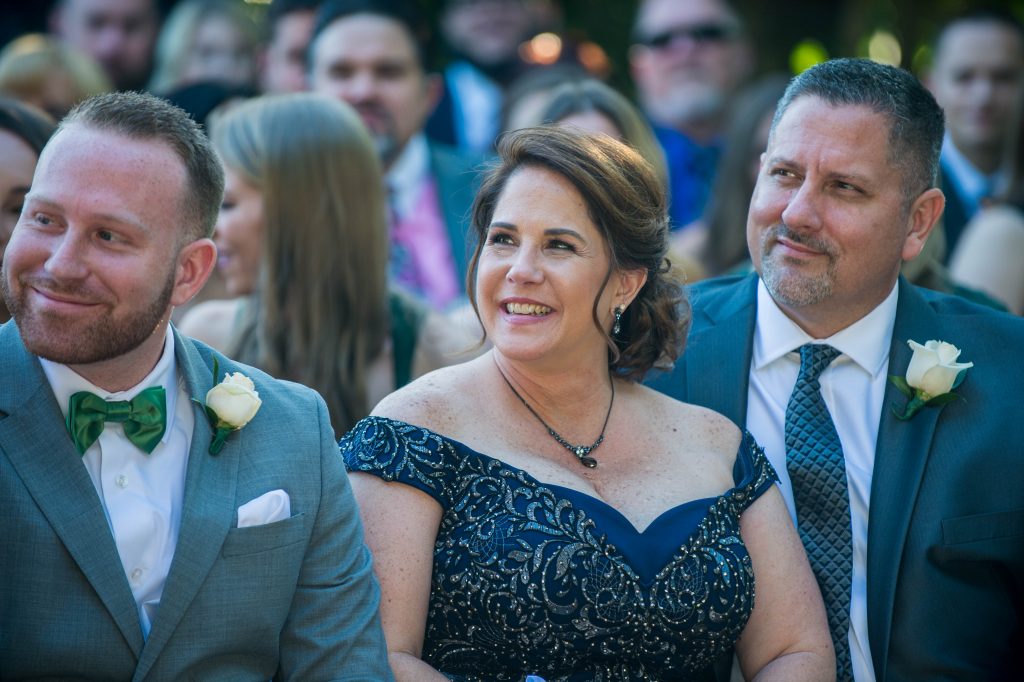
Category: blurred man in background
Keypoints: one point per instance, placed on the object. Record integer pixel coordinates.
(688, 58)
(289, 26)
(978, 80)
(118, 34)
(371, 54)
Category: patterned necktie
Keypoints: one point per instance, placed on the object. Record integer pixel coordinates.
(144, 418)
(814, 459)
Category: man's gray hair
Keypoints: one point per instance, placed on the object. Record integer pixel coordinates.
(141, 116)
(916, 120)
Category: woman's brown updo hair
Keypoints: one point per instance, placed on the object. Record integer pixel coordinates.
(626, 201)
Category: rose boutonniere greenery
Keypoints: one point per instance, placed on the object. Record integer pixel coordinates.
(229, 406)
(931, 377)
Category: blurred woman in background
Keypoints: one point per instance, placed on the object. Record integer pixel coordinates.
(593, 106)
(46, 73)
(24, 131)
(302, 238)
(206, 40)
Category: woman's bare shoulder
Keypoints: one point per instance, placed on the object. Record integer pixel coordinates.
(439, 400)
(211, 322)
(700, 427)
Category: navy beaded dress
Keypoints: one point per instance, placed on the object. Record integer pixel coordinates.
(535, 578)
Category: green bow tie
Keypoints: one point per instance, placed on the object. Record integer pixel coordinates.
(144, 418)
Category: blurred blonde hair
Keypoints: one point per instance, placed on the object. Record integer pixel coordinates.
(48, 74)
(177, 37)
(320, 315)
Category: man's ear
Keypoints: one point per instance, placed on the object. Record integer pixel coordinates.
(195, 264)
(924, 214)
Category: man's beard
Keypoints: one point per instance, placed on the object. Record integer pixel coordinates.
(686, 104)
(796, 290)
(384, 141)
(102, 338)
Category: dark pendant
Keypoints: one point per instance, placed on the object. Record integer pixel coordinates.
(582, 453)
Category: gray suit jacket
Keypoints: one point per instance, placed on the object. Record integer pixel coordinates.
(294, 599)
(945, 576)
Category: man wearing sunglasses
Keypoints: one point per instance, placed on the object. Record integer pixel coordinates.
(687, 59)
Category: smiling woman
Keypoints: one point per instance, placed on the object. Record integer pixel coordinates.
(541, 489)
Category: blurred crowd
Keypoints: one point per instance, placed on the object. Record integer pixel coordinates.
(700, 116)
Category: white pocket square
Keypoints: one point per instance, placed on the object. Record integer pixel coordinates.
(267, 508)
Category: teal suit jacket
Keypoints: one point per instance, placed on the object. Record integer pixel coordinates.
(457, 175)
(945, 574)
(295, 599)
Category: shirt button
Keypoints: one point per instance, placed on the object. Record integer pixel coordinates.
(122, 481)
(137, 574)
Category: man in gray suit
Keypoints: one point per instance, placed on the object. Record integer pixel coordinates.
(153, 528)
(911, 507)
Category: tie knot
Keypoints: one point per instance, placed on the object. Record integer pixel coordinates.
(118, 410)
(814, 358)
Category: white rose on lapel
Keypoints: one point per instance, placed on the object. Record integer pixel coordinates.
(229, 406)
(234, 400)
(931, 377)
(933, 368)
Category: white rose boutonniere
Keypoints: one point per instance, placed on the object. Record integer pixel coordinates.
(931, 377)
(229, 406)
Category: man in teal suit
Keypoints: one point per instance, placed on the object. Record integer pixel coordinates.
(146, 536)
(371, 55)
(922, 556)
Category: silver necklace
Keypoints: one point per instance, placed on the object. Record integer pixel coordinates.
(582, 452)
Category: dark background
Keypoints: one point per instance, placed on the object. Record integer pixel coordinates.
(841, 26)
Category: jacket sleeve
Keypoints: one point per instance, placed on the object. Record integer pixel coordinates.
(333, 629)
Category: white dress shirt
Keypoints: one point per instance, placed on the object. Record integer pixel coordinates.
(407, 174)
(141, 494)
(853, 388)
(476, 102)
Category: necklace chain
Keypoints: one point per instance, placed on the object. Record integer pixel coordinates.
(582, 452)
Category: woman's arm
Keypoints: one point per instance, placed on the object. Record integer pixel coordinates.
(447, 340)
(988, 256)
(787, 637)
(400, 525)
(211, 322)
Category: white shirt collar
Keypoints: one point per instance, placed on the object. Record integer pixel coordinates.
(65, 381)
(971, 183)
(866, 341)
(407, 173)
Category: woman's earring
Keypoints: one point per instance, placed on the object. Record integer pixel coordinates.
(617, 327)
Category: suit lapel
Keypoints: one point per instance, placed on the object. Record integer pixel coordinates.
(36, 442)
(718, 357)
(207, 510)
(900, 457)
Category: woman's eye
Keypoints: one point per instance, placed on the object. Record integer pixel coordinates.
(562, 245)
(499, 238)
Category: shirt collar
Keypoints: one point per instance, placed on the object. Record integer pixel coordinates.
(407, 173)
(971, 182)
(866, 341)
(65, 382)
